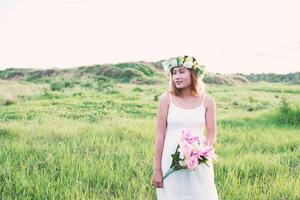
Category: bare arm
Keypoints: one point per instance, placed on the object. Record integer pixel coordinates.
(210, 119)
(161, 125)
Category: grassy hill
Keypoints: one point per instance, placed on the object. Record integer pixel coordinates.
(132, 72)
(138, 73)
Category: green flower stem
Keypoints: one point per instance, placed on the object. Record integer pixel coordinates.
(169, 172)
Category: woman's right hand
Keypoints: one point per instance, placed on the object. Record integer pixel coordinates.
(157, 178)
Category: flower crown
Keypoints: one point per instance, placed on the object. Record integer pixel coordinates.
(185, 61)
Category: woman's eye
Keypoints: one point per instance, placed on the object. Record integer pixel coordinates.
(181, 72)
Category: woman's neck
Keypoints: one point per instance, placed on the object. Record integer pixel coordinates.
(186, 92)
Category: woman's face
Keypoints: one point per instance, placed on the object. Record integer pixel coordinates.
(181, 77)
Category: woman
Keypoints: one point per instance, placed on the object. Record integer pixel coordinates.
(185, 105)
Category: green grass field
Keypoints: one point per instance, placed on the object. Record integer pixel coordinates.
(82, 143)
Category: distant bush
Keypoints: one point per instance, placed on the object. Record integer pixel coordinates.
(252, 105)
(110, 90)
(69, 83)
(128, 74)
(100, 86)
(46, 94)
(105, 85)
(56, 85)
(87, 84)
(156, 97)
(288, 114)
(293, 78)
(251, 99)
(99, 70)
(235, 103)
(80, 94)
(89, 69)
(99, 83)
(110, 71)
(38, 75)
(137, 89)
(240, 79)
(102, 78)
(10, 74)
(7, 101)
(145, 69)
(218, 79)
(60, 84)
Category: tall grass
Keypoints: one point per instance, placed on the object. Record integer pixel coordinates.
(85, 143)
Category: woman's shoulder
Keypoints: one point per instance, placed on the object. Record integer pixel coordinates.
(164, 97)
(209, 99)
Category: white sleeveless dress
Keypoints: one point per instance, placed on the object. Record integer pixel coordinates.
(184, 184)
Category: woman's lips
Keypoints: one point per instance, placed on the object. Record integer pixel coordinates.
(178, 82)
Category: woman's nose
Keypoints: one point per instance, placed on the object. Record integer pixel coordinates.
(177, 75)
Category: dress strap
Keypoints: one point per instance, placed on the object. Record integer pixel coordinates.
(170, 97)
(203, 99)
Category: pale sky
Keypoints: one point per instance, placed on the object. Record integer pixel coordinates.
(226, 36)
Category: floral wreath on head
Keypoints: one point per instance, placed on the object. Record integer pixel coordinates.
(185, 61)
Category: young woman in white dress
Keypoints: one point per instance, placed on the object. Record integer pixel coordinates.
(185, 105)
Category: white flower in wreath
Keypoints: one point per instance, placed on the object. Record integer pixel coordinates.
(188, 64)
(165, 65)
(173, 62)
(168, 64)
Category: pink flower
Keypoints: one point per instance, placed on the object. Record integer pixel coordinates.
(185, 149)
(209, 152)
(192, 162)
(188, 136)
(205, 151)
(185, 133)
(190, 152)
(198, 154)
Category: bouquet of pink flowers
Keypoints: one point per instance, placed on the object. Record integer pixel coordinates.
(190, 152)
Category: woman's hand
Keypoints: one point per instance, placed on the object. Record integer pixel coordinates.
(157, 178)
(208, 142)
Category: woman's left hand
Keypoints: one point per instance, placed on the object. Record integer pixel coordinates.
(208, 142)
